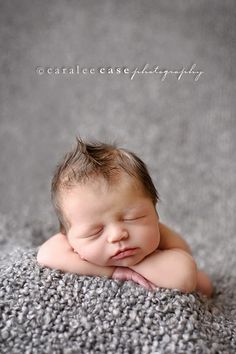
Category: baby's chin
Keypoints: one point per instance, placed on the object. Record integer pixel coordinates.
(126, 262)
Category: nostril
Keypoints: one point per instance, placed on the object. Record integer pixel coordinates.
(124, 233)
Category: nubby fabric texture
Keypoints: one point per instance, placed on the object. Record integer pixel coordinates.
(47, 311)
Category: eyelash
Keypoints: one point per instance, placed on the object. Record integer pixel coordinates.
(96, 233)
(133, 219)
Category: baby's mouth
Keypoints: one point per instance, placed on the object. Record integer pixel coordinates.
(124, 253)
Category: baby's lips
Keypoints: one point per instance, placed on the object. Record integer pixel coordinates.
(124, 253)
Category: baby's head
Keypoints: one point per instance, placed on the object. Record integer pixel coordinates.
(92, 162)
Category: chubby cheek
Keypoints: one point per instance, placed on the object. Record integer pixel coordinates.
(152, 239)
(91, 253)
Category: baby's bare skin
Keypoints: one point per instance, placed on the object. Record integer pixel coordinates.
(105, 220)
(170, 268)
(160, 269)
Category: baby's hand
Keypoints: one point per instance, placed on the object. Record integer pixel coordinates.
(125, 273)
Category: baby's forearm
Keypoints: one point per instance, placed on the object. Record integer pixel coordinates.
(169, 269)
(76, 265)
(56, 253)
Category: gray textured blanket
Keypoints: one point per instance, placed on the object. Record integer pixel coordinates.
(46, 311)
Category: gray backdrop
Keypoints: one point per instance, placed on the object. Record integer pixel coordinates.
(183, 129)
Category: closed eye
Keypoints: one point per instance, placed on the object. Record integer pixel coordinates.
(96, 233)
(133, 219)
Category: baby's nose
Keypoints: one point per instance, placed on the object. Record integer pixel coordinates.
(117, 234)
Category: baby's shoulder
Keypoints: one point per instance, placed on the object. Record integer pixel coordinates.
(57, 239)
(52, 247)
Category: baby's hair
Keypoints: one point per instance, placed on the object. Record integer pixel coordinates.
(90, 160)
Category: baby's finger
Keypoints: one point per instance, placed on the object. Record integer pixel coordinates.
(137, 278)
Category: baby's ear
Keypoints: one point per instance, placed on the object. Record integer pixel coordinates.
(79, 255)
(82, 257)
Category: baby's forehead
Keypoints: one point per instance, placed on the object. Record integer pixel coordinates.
(101, 187)
(112, 181)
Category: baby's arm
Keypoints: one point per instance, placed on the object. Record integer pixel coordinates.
(56, 253)
(173, 268)
(171, 239)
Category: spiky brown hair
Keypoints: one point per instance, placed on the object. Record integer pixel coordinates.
(89, 160)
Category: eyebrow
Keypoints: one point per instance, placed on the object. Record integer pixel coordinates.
(135, 207)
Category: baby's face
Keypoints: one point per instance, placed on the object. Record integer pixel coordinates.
(106, 220)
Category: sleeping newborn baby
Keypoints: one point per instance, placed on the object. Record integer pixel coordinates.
(105, 201)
